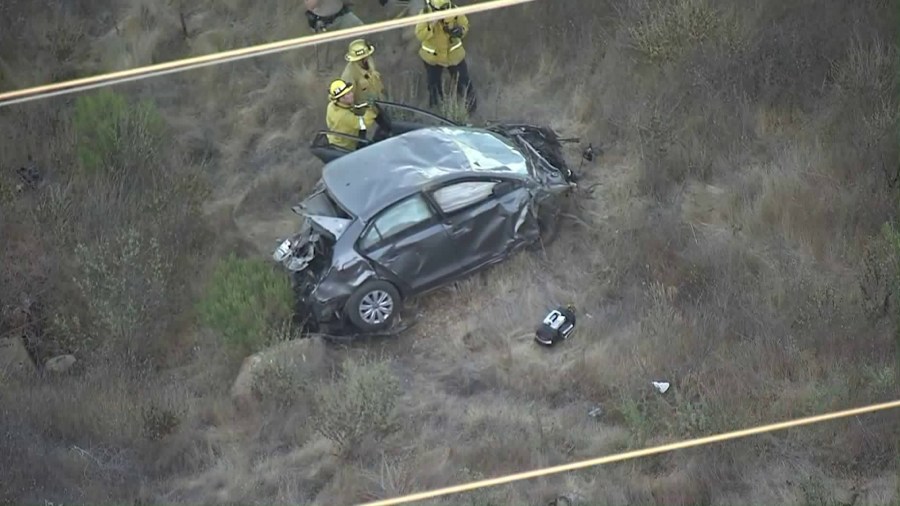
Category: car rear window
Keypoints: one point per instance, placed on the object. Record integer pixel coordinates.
(396, 219)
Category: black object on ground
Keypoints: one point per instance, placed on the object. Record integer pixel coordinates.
(557, 326)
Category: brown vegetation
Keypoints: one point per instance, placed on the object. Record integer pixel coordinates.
(740, 242)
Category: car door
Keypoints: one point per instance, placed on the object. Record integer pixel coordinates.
(408, 240)
(326, 152)
(405, 118)
(479, 215)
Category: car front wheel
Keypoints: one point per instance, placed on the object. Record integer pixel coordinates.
(373, 306)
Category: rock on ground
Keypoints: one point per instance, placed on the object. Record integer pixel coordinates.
(59, 364)
(14, 358)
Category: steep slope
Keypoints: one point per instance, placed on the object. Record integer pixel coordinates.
(731, 244)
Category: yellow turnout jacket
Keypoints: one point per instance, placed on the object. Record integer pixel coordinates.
(367, 84)
(342, 119)
(438, 48)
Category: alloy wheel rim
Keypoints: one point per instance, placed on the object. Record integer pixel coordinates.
(376, 307)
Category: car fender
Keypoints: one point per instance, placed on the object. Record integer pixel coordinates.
(384, 274)
(340, 282)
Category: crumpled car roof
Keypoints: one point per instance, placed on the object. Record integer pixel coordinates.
(365, 181)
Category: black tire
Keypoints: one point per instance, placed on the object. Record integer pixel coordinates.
(377, 295)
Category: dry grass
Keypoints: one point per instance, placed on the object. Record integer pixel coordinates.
(734, 244)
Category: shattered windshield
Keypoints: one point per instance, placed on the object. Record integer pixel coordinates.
(485, 151)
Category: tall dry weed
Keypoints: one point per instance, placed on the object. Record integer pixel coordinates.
(771, 300)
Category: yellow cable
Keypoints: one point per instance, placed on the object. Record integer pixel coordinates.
(467, 487)
(86, 83)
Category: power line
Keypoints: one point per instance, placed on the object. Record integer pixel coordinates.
(717, 438)
(160, 69)
(139, 73)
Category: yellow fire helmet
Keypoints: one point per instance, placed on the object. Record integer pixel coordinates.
(439, 5)
(358, 50)
(338, 89)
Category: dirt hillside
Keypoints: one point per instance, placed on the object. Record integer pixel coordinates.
(737, 237)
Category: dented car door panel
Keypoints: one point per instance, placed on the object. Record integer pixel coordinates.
(484, 231)
(418, 259)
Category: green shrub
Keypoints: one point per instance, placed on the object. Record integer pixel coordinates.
(358, 403)
(112, 135)
(123, 277)
(131, 215)
(245, 301)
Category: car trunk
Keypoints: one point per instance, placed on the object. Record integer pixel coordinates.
(308, 253)
(310, 249)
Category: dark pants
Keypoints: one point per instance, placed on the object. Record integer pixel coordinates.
(460, 74)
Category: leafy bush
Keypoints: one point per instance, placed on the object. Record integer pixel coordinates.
(246, 299)
(123, 277)
(111, 135)
(359, 403)
(132, 219)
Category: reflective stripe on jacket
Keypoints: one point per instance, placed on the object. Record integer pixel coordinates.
(340, 118)
(438, 48)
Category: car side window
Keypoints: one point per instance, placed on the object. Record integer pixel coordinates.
(408, 213)
(457, 196)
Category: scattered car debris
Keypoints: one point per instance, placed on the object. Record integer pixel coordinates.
(661, 386)
(412, 213)
(557, 326)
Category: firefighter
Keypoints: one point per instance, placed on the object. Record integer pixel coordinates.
(441, 48)
(342, 116)
(330, 15)
(362, 73)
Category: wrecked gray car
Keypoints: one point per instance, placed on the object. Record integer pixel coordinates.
(415, 212)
